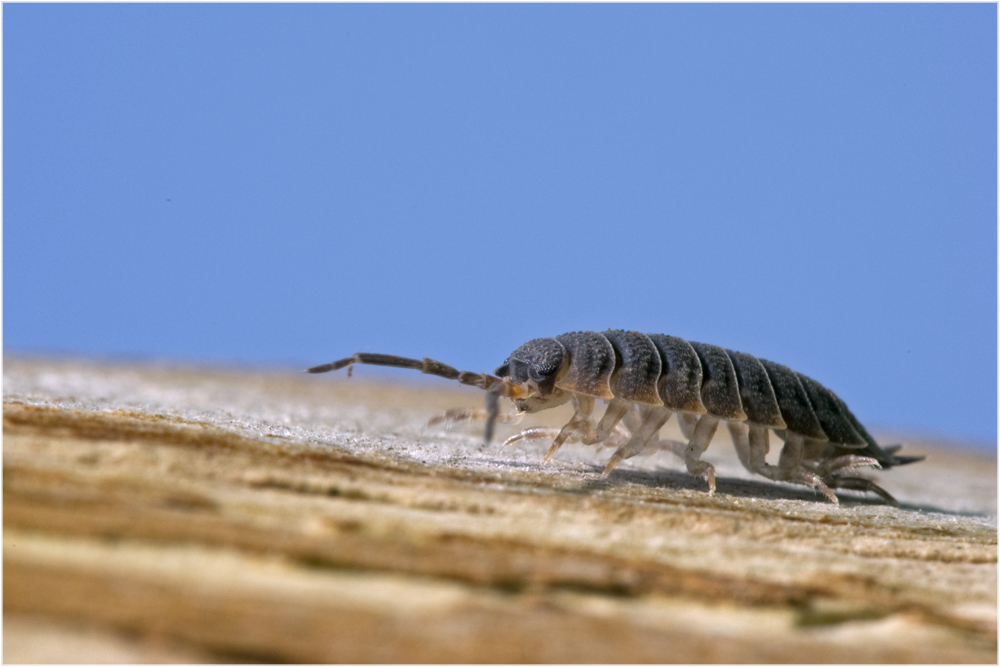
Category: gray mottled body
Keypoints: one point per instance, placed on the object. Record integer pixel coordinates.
(647, 378)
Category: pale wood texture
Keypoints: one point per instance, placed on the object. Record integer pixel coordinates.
(173, 514)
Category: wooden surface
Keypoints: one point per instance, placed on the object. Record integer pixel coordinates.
(157, 514)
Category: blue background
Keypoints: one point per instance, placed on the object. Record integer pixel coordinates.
(289, 184)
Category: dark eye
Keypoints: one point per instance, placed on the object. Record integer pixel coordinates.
(540, 374)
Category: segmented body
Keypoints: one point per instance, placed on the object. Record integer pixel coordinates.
(647, 378)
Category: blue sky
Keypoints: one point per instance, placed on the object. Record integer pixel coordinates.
(289, 184)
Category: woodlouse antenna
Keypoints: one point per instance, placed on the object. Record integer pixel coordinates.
(494, 386)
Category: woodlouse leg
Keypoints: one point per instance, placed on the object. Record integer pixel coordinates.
(813, 449)
(531, 434)
(653, 419)
(617, 408)
(687, 423)
(752, 445)
(454, 415)
(841, 464)
(580, 424)
(572, 433)
(751, 442)
(860, 484)
(792, 469)
(700, 440)
(739, 432)
(632, 420)
(759, 445)
(618, 437)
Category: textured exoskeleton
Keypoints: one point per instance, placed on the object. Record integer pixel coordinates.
(646, 378)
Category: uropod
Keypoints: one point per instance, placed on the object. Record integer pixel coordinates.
(647, 378)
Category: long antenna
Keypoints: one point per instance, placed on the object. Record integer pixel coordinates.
(494, 386)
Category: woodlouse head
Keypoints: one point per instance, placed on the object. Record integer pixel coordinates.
(536, 366)
(538, 363)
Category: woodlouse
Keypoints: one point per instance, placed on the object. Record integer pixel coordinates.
(646, 378)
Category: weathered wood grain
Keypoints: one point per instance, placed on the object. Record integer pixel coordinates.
(268, 516)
